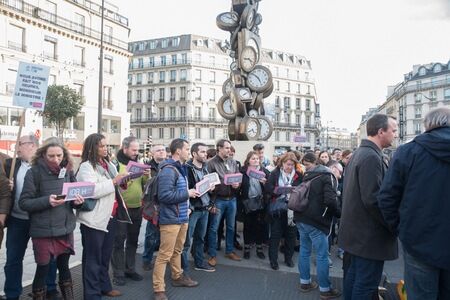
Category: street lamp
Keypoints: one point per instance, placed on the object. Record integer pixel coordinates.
(100, 74)
(328, 136)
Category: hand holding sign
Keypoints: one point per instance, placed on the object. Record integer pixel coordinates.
(232, 179)
(75, 189)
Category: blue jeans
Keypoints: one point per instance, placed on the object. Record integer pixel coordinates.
(226, 208)
(311, 237)
(362, 278)
(423, 281)
(151, 242)
(198, 222)
(17, 237)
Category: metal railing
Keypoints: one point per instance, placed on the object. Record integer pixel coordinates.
(37, 12)
(17, 46)
(109, 14)
(149, 65)
(177, 120)
(421, 87)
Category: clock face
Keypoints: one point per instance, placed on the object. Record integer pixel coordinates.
(252, 129)
(253, 113)
(225, 108)
(259, 79)
(252, 43)
(265, 129)
(233, 66)
(248, 59)
(245, 94)
(227, 21)
(227, 87)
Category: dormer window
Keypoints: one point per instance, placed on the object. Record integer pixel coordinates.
(200, 43)
(152, 44)
(175, 42)
(422, 71)
(437, 68)
(164, 43)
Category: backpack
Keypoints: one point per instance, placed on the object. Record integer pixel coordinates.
(150, 203)
(299, 199)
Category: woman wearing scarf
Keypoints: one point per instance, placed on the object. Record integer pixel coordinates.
(253, 205)
(98, 223)
(52, 220)
(277, 195)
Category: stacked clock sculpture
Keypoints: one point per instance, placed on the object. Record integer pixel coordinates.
(249, 82)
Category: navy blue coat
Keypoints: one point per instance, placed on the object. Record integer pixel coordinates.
(173, 194)
(415, 197)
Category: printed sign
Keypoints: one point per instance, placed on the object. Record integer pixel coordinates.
(282, 190)
(253, 173)
(130, 177)
(213, 178)
(202, 186)
(134, 167)
(84, 189)
(229, 179)
(31, 86)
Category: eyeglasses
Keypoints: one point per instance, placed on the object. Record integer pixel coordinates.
(24, 143)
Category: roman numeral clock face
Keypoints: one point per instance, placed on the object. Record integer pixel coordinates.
(259, 79)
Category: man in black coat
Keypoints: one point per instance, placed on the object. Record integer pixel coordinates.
(414, 201)
(363, 234)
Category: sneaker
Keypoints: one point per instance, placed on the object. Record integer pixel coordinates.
(147, 266)
(233, 256)
(206, 268)
(331, 294)
(119, 281)
(184, 281)
(212, 261)
(160, 296)
(260, 254)
(247, 254)
(134, 276)
(304, 288)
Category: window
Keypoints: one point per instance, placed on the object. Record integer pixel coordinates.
(152, 44)
(288, 136)
(447, 78)
(175, 42)
(49, 48)
(418, 112)
(78, 23)
(277, 136)
(447, 94)
(433, 95)
(163, 60)
(151, 61)
(164, 43)
(16, 38)
(212, 95)
(298, 88)
(130, 79)
(198, 75)
(287, 102)
(107, 93)
(173, 75)
(52, 80)
(212, 76)
(288, 86)
(183, 75)
(298, 119)
(162, 76)
(161, 133)
(129, 93)
(150, 95)
(108, 65)
(182, 111)
(418, 84)
(139, 78)
(172, 94)
(298, 75)
(78, 123)
(417, 128)
(183, 133)
(276, 72)
(277, 117)
(308, 89)
(287, 73)
(277, 85)
(212, 60)
(150, 77)
(162, 94)
(138, 96)
(182, 93)
(437, 68)
(183, 58)
(422, 71)
(277, 101)
(298, 103)
(212, 114)
(212, 133)
(198, 112)
(138, 133)
(434, 81)
(171, 133)
(149, 113)
(138, 114)
(161, 113)
(198, 132)
(308, 121)
(308, 104)
(197, 58)
(306, 75)
(172, 114)
(198, 93)
(149, 132)
(288, 118)
(79, 56)
(418, 98)
(174, 59)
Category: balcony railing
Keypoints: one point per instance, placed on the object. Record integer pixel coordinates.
(17, 46)
(418, 88)
(178, 120)
(79, 63)
(36, 12)
(156, 64)
(109, 14)
(51, 56)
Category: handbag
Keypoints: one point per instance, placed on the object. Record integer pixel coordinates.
(253, 204)
(88, 204)
(278, 206)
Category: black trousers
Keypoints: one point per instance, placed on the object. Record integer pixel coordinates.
(279, 228)
(254, 226)
(124, 259)
(97, 251)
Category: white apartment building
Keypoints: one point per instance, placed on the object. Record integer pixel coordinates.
(65, 35)
(424, 88)
(333, 137)
(176, 82)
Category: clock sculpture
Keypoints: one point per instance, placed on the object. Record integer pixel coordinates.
(249, 82)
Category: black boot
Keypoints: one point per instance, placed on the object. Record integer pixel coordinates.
(247, 251)
(39, 294)
(66, 288)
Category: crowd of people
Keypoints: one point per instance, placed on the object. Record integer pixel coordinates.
(358, 198)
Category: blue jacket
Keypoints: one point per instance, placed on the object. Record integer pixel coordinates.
(414, 198)
(173, 196)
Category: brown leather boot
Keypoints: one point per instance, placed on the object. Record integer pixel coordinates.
(66, 288)
(39, 294)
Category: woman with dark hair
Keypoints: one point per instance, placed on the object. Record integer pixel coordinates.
(251, 196)
(324, 158)
(52, 220)
(98, 222)
(277, 195)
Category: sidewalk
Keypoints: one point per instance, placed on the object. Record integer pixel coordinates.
(247, 279)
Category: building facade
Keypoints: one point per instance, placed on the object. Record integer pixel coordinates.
(175, 84)
(424, 88)
(65, 35)
(333, 137)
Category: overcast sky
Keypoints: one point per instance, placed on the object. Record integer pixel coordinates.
(357, 48)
